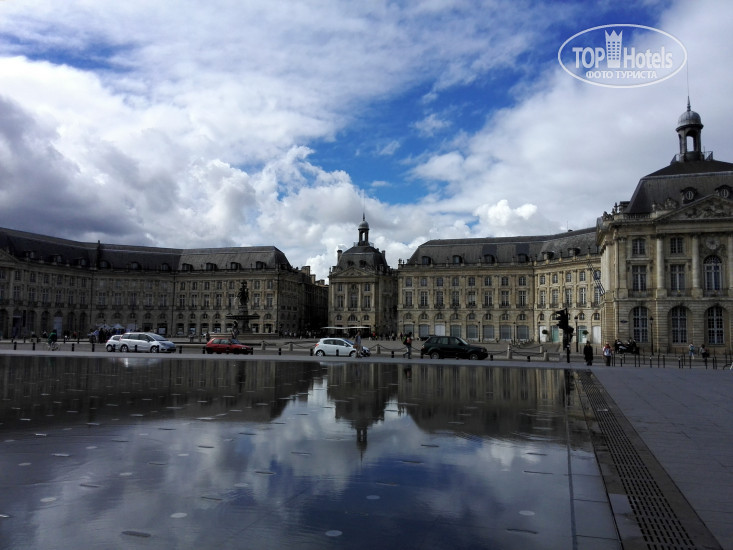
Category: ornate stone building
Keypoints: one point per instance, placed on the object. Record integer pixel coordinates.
(666, 253)
(508, 288)
(362, 289)
(48, 283)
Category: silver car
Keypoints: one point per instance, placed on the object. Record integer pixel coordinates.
(146, 341)
(338, 346)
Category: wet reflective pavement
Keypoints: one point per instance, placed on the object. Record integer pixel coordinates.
(194, 453)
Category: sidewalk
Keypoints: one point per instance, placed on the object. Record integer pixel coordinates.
(685, 418)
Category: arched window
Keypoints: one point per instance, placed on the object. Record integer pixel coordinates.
(714, 325)
(712, 273)
(678, 325)
(640, 316)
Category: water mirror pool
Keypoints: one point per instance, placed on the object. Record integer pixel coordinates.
(200, 453)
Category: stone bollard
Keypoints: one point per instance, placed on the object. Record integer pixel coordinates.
(311, 352)
(264, 345)
(279, 351)
(509, 353)
(545, 356)
(180, 350)
(34, 346)
(72, 346)
(379, 349)
(291, 346)
(392, 354)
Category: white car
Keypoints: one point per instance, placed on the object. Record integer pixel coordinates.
(113, 344)
(338, 346)
(146, 341)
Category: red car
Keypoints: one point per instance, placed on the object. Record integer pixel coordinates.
(227, 345)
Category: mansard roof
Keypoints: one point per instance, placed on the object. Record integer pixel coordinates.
(504, 250)
(35, 247)
(703, 177)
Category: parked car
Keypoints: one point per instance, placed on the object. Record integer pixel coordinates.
(227, 345)
(338, 346)
(438, 347)
(113, 344)
(146, 341)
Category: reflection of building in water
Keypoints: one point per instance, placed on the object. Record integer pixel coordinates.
(484, 400)
(40, 386)
(360, 393)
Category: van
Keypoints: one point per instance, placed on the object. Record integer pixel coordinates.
(146, 341)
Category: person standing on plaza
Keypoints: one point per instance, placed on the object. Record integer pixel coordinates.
(692, 351)
(588, 353)
(357, 343)
(607, 354)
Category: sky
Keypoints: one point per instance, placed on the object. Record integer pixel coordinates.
(248, 123)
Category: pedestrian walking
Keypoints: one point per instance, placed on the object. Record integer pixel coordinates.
(588, 353)
(692, 351)
(408, 345)
(607, 354)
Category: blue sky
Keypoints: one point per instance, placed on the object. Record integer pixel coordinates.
(279, 123)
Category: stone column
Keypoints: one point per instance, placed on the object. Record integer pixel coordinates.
(695, 251)
(659, 263)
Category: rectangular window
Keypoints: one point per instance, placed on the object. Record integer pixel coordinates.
(353, 300)
(543, 298)
(439, 298)
(638, 247)
(554, 298)
(439, 281)
(471, 300)
(638, 276)
(408, 299)
(472, 281)
(568, 297)
(488, 299)
(366, 302)
(521, 298)
(504, 298)
(582, 293)
(677, 277)
(408, 282)
(423, 298)
(367, 287)
(455, 300)
(423, 281)
(676, 245)
(487, 280)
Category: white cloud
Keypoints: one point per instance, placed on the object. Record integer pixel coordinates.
(193, 124)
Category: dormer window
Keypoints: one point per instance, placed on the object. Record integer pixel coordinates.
(425, 260)
(457, 259)
(165, 267)
(489, 259)
(210, 266)
(260, 265)
(688, 194)
(104, 264)
(186, 267)
(235, 266)
(135, 266)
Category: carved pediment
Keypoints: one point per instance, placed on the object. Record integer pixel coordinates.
(710, 209)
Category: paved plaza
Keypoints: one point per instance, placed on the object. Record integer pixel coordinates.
(681, 417)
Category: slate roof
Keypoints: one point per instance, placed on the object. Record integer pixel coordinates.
(704, 176)
(23, 245)
(506, 249)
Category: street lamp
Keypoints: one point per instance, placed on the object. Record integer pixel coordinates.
(651, 333)
(577, 336)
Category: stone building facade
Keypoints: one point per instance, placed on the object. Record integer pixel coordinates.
(501, 289)
(666, 254)
(362, 289)
(48, 283)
